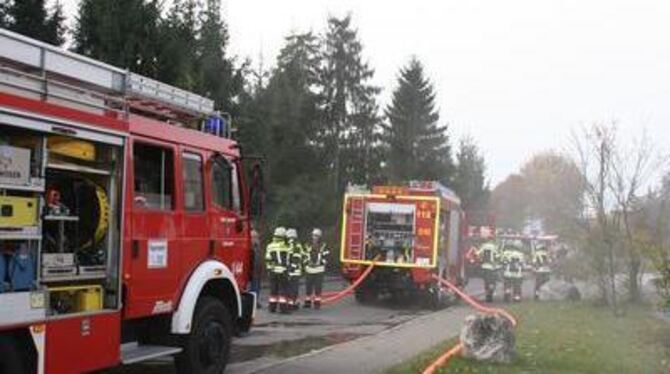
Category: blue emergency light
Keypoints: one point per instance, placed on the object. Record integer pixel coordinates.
(216, 125)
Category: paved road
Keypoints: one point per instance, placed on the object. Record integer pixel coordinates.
(347, 337)
(376, 353)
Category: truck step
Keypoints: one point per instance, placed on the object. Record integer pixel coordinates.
(133, 353)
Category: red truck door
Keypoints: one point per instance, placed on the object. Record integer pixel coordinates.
(195, 237)
(154, 262)
(230, 228)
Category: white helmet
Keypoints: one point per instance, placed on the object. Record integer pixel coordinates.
(280, 232)
(292, 234)
(317, 233)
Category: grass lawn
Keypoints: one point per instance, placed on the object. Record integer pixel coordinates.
(554, 337)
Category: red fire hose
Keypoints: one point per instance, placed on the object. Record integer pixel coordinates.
(333, 298)
(459, 347)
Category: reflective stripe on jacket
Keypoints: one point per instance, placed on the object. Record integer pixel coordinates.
(316, 259)
(513, 264)
(276, 256)
(541, 262)
(296, 259)
(489, 255)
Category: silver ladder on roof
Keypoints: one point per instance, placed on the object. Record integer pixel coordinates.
(72, 72)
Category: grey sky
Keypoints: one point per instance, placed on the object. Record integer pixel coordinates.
(517, 75)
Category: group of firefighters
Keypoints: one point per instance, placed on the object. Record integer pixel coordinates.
(286, 260)
(508, 259)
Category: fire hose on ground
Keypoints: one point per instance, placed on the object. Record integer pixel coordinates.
(334, 297)
(443, 359)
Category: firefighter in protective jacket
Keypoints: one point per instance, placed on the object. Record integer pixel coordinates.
(541, 267)
(513, 263)
(276, 261)
(316, 260)
(489, 257)
(295, 265)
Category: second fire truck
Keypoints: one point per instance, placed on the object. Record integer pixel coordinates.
(409, 233)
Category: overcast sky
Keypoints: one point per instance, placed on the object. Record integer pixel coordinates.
(517, 75)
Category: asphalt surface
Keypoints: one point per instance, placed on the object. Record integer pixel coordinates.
(342, 338)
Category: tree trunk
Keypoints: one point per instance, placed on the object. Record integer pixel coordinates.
(634, 266)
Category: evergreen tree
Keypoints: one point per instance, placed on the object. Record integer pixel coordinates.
(178, 54)
(470, 181)
(350, 128)
(293, 118)
(54, 26)
(124, 33)
(418, 146)
(31, 18)
(219, 79)
(4, 14)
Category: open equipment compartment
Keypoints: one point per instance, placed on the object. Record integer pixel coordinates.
(390, 231)
(59, 234)
(81, 235)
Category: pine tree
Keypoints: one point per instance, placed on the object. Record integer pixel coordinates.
(124, 33)
(4, 14)
(292, 107)
(470, 181)
(178, 54)
(219, 79)
(418, 147)
(351, 122)
(54, 26)
(31, 18)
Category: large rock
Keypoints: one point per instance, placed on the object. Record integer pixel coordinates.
(557, 289)
(488, 338)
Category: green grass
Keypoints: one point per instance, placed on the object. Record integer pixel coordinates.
(555, 337)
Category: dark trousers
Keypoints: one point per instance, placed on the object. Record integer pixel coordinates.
(513, 288)
(313, 286)
(294, 288)
(489, 283)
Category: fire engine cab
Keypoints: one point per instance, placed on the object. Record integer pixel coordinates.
(409, 233)
(125, 218)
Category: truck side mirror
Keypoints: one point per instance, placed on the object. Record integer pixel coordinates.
(256, 191)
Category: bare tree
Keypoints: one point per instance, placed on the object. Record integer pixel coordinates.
(594, 148)
(614, 176)
(632, 169)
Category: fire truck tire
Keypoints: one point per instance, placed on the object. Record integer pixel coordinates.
(437, 299)
(12, 358)
(207, 347)
(365, 295)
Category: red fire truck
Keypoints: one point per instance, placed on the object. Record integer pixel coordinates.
(125, 219)
(409, 233)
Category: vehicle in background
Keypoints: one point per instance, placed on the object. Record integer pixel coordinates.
(409, 233)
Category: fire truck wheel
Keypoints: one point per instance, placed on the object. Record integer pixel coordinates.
(207, 347)
(12, 357)
(364, 295)
(437, 299)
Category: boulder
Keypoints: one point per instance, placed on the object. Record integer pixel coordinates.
(557, 289)
(488, 338)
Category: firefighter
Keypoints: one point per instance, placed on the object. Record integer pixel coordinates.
(513, 262)
(296, 262)
(489, 257)
(276, 261)
(315, 267)
(541, 263)
(472, 263)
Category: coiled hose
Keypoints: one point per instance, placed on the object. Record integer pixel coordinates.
(453, 351)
